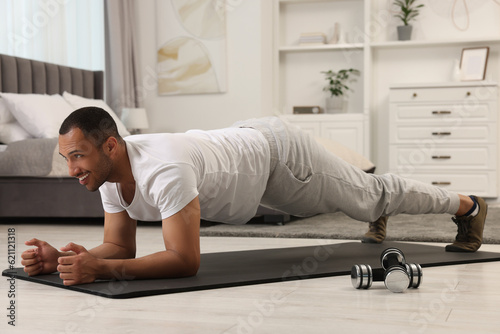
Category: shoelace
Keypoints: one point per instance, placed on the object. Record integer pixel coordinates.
(373, 227)
(463, 227)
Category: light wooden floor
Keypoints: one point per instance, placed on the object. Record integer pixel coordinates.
(458, 299)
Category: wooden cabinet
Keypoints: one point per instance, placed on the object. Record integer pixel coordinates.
(446, 134)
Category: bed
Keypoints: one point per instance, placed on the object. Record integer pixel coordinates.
(34, 181)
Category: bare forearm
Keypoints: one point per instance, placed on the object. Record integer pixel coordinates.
(165, 264)
(180, 259)
(112, 251)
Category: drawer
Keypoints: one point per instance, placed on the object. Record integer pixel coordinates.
(413, 158)
(467, 93)
(449, 113)
(481, 184)
(485, 133)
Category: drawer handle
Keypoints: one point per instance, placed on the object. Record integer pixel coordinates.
(441, 112)
(441, 133)
(468, 94)
(414, 94)
(441, 157)
(439, 183)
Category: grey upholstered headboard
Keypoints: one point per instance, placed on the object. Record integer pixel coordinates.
(25, 76)
(47, 197)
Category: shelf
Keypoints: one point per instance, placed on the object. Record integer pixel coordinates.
(325, 47)
(304, 1)
(482, 83)
(326, 117)
(447, 42)
(390, 45)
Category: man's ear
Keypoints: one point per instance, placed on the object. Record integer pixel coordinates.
(110, 146)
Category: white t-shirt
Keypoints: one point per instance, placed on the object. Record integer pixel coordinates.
(228, 169)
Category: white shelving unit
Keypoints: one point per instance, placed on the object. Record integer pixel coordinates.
(371, 47)
(298, 80)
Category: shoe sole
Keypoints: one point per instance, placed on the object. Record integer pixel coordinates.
(371, 241)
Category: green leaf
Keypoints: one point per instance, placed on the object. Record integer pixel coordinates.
(337, 80)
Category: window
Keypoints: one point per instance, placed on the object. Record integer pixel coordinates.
(64, 32)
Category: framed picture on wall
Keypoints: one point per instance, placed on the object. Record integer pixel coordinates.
(191, 51)
(473, 63)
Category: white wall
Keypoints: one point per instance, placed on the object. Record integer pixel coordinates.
(249, 61)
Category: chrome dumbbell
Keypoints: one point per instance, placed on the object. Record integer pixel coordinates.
(396, 277)
(396, 274)
(362, 277)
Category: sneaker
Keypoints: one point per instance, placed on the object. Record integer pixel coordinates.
(376, 232)
(470, 230)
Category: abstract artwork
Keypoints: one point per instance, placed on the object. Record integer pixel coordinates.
(191, 53)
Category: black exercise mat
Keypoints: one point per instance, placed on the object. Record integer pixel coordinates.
(229, 269)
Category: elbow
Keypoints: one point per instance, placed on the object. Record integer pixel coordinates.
(128, 251)
(125, 253)
(131, 253)
(191, 267)
(181, 264)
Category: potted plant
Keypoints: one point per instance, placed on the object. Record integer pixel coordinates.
(337, 88)
(409, 10)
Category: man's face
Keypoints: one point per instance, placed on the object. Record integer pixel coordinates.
(88, 163)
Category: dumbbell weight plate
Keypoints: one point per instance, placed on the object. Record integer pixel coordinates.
(416, 274)
(361, 276)
(397, 279)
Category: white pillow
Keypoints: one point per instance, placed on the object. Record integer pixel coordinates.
(79, 102)
(40, 115)
(5, 115)
(10, 132)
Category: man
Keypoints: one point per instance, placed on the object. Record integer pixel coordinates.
(221, 175)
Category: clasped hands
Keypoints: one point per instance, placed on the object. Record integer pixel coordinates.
(75, 266)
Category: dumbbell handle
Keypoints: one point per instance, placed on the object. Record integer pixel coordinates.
(396, 279)
(392, 257)
(378, 274)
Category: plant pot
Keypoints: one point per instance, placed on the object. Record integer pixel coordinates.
(335, 105)
(404, 33)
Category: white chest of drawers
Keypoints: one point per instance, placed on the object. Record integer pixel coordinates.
(446, 135)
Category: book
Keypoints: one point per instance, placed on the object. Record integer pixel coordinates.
(309, 38)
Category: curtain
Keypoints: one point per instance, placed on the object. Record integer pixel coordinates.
(121, 77)
(64, 32)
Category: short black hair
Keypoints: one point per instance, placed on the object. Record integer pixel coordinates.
(95, 123)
